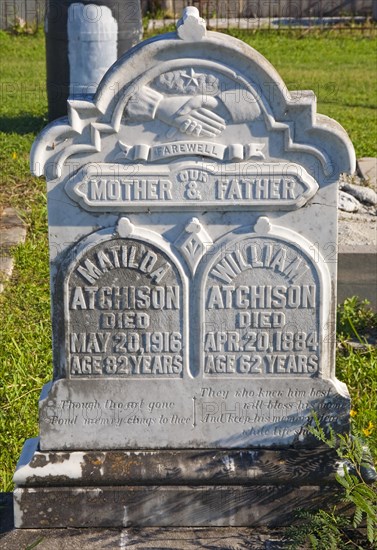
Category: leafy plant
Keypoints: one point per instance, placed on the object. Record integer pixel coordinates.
(20, 26)
(330, 530)
(354, 317)
(322, 530)
(356, 365)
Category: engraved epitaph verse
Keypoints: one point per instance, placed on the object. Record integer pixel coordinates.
(252, 414)
(124, 301)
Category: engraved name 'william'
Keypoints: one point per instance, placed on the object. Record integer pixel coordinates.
(258, 340)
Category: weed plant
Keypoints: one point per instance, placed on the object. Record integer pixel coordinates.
(330, 529)
(356, 365)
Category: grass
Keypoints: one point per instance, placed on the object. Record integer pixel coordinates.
(26, 362)
(340, 68)
(342, 72)
(22, 115)
(357, 366)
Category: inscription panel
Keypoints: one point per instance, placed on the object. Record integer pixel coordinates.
(270, 411)
(187, 185)
(172, 413)
(124, 304)
(261, 311)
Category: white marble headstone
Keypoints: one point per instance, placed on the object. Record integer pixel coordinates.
(193, 240)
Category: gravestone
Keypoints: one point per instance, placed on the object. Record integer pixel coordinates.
(192, 223)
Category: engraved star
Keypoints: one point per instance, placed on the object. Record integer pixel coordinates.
(192, 78)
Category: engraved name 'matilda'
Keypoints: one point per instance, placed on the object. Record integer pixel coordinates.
(129, 338)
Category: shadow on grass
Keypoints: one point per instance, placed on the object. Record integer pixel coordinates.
(22, 124)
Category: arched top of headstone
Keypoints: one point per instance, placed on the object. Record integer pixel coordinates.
(196, 93)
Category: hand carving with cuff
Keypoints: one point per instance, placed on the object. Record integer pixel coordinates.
(190, 115)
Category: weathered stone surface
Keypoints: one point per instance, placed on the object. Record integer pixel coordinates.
(257, 287)
(90, 409)
(13, 232)
(275, 413)
(348, 203)
(192, 218)
(146, 538)
(166, 506)
(172, 467)
(363, 194)
(163, 538)
(355, 281)
(367, 168)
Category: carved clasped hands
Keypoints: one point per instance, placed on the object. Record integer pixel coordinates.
(192, 116)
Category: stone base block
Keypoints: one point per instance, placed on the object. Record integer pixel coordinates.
(163, 506)
(172, 488)
(353, 281)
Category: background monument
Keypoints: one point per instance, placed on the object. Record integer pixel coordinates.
(83, 39)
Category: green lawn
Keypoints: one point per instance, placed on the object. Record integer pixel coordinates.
(342, 71)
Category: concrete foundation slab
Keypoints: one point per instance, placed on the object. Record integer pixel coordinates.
(170, 488)
(149, 538)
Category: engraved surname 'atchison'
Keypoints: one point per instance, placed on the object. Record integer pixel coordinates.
(261, 296)
(125, 297)
(252, 256)
(136, 257)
